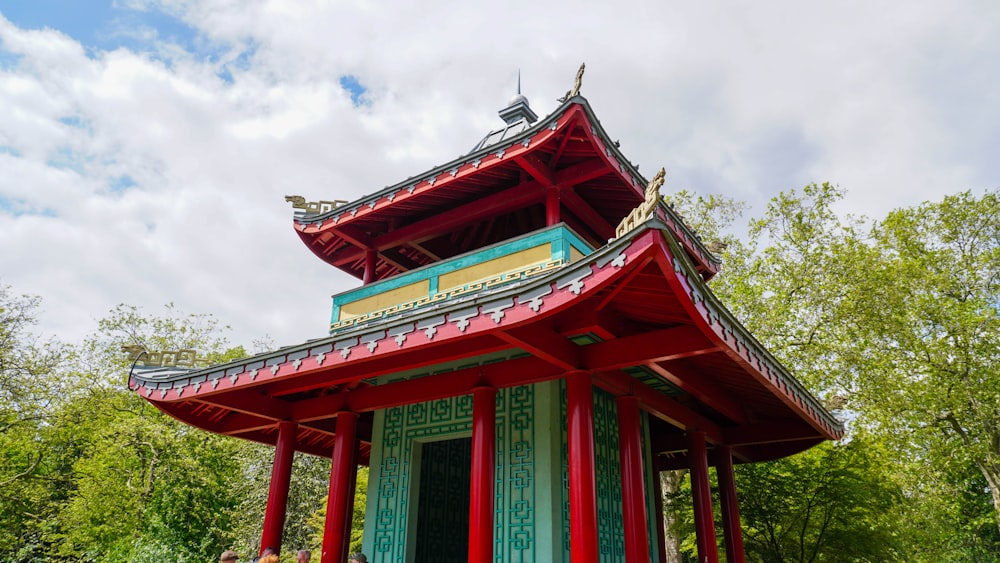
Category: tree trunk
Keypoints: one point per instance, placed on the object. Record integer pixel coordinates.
(992, 475)
(670, 483)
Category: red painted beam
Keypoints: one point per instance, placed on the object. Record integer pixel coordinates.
(553, 207)
(658, 404)
(471, 212)
(498, 203)
(352, 235)
(544, 343)
(770, 432)
(521, 371)
(250, 401)
(586, 213)
(587, 319)
(649, 347)
(573, 117)
(538, 170)
(582, 172)
(698, 386)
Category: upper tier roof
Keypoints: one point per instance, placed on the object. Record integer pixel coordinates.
(496, 192)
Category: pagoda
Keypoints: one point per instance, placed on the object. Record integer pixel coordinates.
(532, 342)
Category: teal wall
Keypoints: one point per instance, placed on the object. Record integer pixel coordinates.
(532, 511)
(560, 238)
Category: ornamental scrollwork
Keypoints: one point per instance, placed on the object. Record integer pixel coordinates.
(186, 358)
(313, 207)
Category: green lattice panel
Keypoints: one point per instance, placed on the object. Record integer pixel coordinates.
(448, 418)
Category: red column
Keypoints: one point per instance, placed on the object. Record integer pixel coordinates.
(481, 494)
(552, 216)
(730, 506)
(701, 492)
(582, 488)
(370, 264)
(277, 493)
(633, 484)
(349, 509)
(335, 539)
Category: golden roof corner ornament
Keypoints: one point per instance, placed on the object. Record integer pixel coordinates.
(187, 358)
(313, 207)
(645, 209)
(577, 82)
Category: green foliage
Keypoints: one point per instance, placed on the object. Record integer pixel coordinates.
(898, 325)
(831, 503)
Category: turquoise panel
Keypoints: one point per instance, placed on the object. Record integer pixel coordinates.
(401, 435)
(560, 236)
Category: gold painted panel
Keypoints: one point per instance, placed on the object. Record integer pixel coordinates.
(386, 299)
(517, 260)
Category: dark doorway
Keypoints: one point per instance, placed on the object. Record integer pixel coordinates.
(443, 511)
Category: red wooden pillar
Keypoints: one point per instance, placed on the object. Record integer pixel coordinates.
(730, 506)
(370, 263)
(349, 509)
(552, 215)
(633, 484)
(701, 492)
(582, 487)
(277, 493)
(340, 498)
(481, 494)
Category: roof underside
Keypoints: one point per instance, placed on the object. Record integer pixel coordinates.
(636, 314)
(492, 195)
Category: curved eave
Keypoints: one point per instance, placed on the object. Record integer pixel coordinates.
(337, 228)
(311, 382)
(722, 327)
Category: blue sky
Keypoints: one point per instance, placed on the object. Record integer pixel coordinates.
(146, 146)
(99, 25)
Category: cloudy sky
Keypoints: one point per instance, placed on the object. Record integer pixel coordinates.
(146, 146)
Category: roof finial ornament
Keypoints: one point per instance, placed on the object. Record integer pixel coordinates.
(645, 209)
(577, 82)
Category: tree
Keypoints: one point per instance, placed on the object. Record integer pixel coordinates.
(937, 334)
(898, 325)
(832, 503)
(139, 485)
(32, 385)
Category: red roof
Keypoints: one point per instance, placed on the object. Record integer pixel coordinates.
(636, 313)
(493, 194)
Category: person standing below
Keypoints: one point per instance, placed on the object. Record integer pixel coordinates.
(357, 558)
(303, 556)
(228, 556)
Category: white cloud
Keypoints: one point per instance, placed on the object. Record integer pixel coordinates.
(158, 176)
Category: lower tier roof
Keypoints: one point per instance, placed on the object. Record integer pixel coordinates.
(636, 314)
